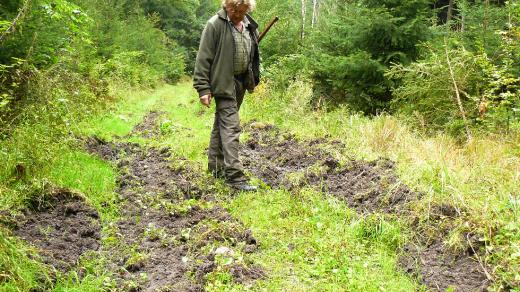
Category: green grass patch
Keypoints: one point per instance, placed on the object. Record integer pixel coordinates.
(19, 271)
(312, 242)
(127, 112)
(187, 124)
(89, 175)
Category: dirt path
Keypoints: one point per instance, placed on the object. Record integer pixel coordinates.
(171, 235)
(180, 236)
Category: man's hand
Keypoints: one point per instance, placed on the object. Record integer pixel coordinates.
(205, 99)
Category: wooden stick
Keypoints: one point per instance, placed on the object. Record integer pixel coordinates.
(267, 28)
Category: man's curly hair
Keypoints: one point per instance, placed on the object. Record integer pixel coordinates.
(250, 3)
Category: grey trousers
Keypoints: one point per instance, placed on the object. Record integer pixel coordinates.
(223, 160)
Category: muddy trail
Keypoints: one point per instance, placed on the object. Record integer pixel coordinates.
(282, 161)
(172, 233)
(177, 234)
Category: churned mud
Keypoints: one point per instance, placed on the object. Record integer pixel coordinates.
(148, 127)
(173, 232)
(282, 161)
(173, 235)
(62, 226)
(440, 269)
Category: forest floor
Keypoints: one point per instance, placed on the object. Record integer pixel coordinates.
(135, 210)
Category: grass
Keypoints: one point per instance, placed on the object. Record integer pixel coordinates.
(18, 272)
(312, 242)
(89, 175)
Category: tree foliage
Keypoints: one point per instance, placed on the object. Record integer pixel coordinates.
(486, 68)
(356, 44)
(371, 55)
(102, 42)
(182, 21)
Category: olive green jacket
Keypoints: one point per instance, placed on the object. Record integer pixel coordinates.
(214, 64)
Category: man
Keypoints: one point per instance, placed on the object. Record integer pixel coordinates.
(227, 65)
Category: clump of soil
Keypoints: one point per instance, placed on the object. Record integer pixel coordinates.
(365, 186)
(440, 269)
(170, 224)
(62, 226)
(369, 187)
(271, 155)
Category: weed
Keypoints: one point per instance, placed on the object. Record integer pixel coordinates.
(154, 233)
(135, 260)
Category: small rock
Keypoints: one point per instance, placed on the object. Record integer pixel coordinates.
(258, 126)
(224, 251)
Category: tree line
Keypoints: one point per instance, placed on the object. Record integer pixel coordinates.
(450, 65)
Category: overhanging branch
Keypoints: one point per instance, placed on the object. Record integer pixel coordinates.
(17, 19)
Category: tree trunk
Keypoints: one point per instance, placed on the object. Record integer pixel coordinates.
(458, 100)
(450, 10)
(314, 12)
(302, 36)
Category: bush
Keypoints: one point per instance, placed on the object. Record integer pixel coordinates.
(286, 70)
(427, 92)
(91, 41)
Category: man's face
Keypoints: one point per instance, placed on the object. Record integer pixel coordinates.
(236, 13)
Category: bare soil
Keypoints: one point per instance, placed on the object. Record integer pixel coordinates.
(282, 161)
(440, 269)
(62, 226)
(367, 186)
(148, 127)
(171, 223)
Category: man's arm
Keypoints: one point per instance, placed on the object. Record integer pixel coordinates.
(205, 56)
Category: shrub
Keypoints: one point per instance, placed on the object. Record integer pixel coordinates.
(487, 75)
(427, 91)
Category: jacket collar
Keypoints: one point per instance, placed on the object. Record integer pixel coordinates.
(252, 23)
